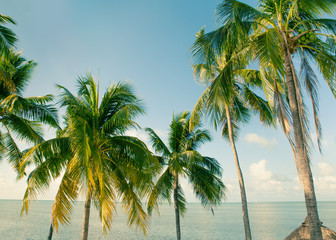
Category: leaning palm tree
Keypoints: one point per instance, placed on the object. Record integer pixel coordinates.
(20, 117)
(180, 159)
(95, 156)
(278, 32)
(7, 36)
(228, 99)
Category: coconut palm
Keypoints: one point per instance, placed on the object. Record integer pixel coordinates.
(7, 36)
(20, 117)
(229, 98)
(180, 159)
(95, 156)
(278, 32)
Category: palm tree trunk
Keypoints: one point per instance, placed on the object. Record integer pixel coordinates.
(248, 235)
(303, 164)
(177, 209)
(50, 232)
(87, 206)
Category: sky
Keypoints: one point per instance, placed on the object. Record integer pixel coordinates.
(148, 44)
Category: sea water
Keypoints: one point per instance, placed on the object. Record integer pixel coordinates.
(269, 221)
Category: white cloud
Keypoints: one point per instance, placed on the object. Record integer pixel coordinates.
(138, 133)
(263, 179)
(162, 134)
(143, 136)
(325, 178)
(259, 172)
(325, 169)
(255, 138)
(3, 182)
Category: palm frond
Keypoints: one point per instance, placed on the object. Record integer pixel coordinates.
(52, 150)
(310, 80)
(232, 11)
(14, 153)
(268, 49)
(157, 143)
(207, 187)
(66, 195)
(118, 107)
(131, 203)
(162, 189)
(197, 138)
(33, 108)
(7, 36)
(250, 77)
(259, 106)
(105, 199)
(178, 131)
(212, 165)
(199, 110)
(182, 202)
(318, 6)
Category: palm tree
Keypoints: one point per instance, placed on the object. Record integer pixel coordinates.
(228, 98)
(20, 117)
(180, 159)
(7, 36)
(96, 157)
(278, 32)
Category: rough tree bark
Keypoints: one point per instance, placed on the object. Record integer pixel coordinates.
(85, 231)
(248, 235)
(177, 209)
(51, 229)
(303, 164)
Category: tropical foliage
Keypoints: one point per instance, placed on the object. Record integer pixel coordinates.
(229, 98)
(20, 117)
(180, 159)
(95, 156)
(277, 32)
(292, 41)
(7, 36)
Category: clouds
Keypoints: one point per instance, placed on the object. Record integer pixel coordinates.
(143, 136)
(261, 141)
(138, 133)
(3, 182)
(262, 185)
(325, 178)
(263, 179)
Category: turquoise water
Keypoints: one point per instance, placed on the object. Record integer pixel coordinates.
(269, 221)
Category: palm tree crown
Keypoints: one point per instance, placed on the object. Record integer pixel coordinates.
(229, 97)
(96, 156)
(278, 32)
(7, 36)
(180, 158)
(20, 117)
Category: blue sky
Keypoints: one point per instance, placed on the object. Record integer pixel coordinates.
(147, 43)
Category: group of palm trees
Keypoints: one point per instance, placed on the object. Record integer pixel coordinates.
(94, 157)
(91, 153)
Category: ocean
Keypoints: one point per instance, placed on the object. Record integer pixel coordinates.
(269, 221)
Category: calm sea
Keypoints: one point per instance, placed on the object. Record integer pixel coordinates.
(269, 221)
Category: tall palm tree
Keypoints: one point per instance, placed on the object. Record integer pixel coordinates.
(280, 30)
(95, 155)
(180, 159)
(228, 99)
(7, 36)
(20, 117)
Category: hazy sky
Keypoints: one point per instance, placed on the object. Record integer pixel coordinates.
(147, 43)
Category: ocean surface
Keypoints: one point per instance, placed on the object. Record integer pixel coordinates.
(269, 221)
